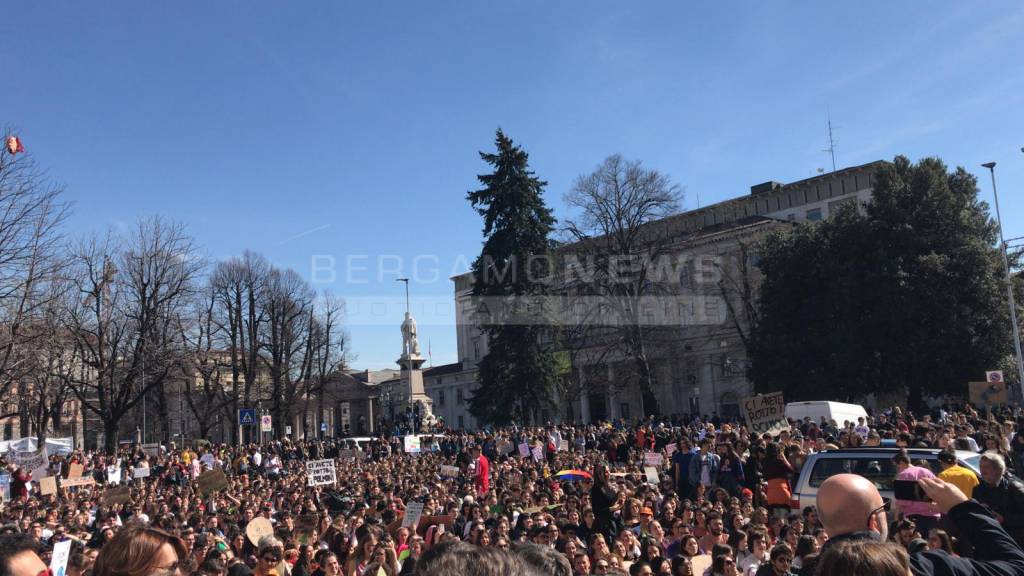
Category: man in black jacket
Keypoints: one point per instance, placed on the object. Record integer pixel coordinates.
(852, 510)
(1002, 494)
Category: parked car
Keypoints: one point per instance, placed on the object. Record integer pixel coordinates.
(875, 464)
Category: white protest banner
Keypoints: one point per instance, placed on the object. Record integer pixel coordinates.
(652, 474)
(29, 460)
(450, 471)
(413, 511)
(77, 482)
(563, 445)
(538, 453)
(412, 444)
(320, 473)
(59, 560)
(653, 459)
(524, 450)
(350, 453)
(765, 413)
(113, 475)
(140, 472)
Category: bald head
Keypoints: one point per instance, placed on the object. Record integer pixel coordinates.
(845, 503)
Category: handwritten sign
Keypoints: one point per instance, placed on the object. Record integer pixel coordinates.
(320, 473)
(78, 482)
(538, 453)
(258, 528)
(118, 495)
(765, 413)
(524, 450)
(450, 471)
(113, 475)
(563, 445)
(654, 459)
(48, 486)
(412, 444)
(140, 472)
(413, 512)
(212, 481)
(652, 474)
(59, 560)
(75, 471)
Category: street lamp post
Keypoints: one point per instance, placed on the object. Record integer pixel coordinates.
(408, 353)
(1009, 281)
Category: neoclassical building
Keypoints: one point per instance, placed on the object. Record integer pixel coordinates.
(698, 358)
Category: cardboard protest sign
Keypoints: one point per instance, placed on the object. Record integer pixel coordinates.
(538, 453)
(652, 474)
(59, 560)
(984, 394)
(320, 473)
(77, 482)
(670, 449)
(450, 471)
(524, 450)
(654, 459)
(75, 471)
(118, 495)
(258, 528)
(413, 512)
(412, 444)
(765, 413)
(140, 472)
(306, 527)
(212, 481)
(701, 564)
(505, 447)
(48, 486)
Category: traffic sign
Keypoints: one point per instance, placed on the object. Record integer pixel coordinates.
(323, 426)
(246, 416)
(266, 423)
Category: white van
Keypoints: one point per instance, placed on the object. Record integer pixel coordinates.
(837, 411)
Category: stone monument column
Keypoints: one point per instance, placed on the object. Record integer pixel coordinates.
(410, 363)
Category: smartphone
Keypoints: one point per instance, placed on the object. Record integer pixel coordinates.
(909, 490)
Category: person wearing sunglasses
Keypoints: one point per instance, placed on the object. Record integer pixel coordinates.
(139, 550)
(19, 556)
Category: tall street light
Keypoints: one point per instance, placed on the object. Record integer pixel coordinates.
(1009, 281)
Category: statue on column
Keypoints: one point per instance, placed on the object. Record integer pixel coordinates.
(410, 344)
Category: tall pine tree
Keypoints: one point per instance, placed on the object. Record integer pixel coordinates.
(518, 375)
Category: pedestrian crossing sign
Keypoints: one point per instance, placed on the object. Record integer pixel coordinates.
(247, 416)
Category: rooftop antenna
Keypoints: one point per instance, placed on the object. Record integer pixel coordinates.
(831, 142)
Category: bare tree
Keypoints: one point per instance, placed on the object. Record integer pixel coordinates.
(327, 352)
(289, 306)
(31, 213)
(203, 380)
(124, 316)
(613, 232)
(239, 285)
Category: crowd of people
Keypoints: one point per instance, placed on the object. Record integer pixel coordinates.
(680, 497)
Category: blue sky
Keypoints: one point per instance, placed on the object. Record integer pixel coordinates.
(351, 130)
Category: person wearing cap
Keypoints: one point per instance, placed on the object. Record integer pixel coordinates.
(963, 478)
(643, 528)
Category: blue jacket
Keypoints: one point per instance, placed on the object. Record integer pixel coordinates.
(697, 462)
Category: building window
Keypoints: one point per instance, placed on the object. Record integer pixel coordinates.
(814, 215)
(462, 422)
(791, 216)
(459, 399)
(440, 397)
(476, 348)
